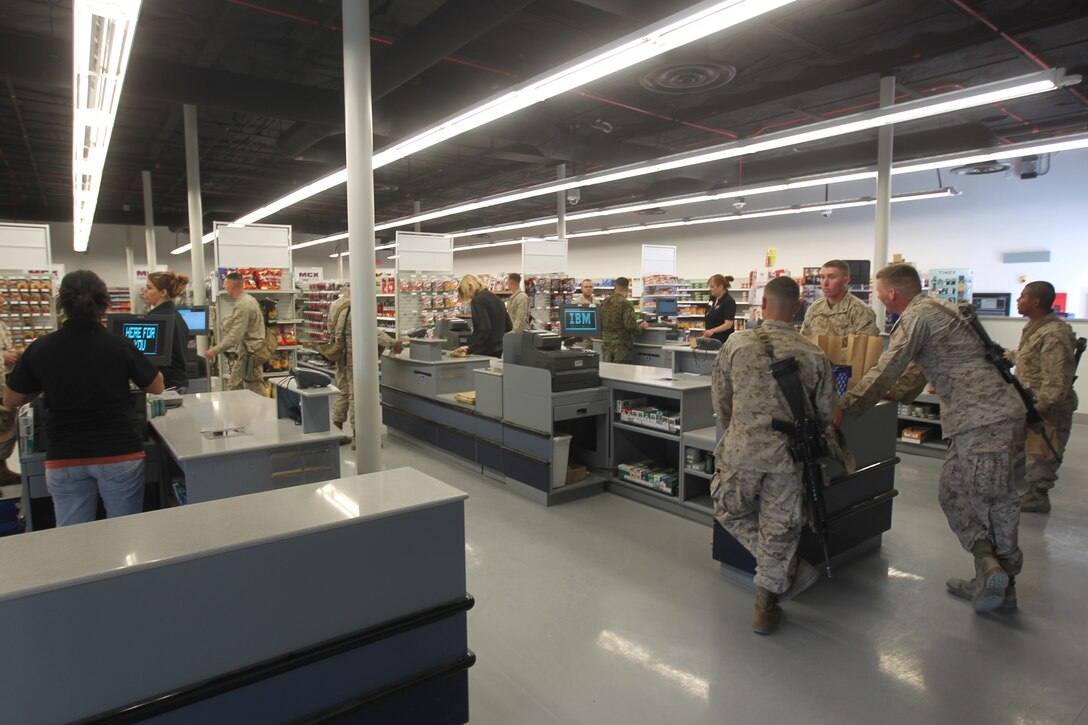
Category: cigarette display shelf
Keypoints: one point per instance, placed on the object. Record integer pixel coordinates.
(28, 305)
(120, 299)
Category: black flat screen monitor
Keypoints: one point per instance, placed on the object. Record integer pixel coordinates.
(580, 321)
(196, 319)
(153, 335)
(666, 307)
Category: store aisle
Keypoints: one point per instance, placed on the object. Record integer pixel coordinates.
(608, 611)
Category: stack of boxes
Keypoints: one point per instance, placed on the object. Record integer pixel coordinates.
(636, 412)
(649, 474)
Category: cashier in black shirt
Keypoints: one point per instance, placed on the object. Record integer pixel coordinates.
(489, 319)
(159, 293)
(721, 313)
(95, 448)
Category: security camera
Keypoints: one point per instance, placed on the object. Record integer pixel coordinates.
(574, 196)
(826, 213)
(739, 203)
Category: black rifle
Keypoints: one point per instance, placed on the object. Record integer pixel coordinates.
(1078, 351)
(807, 445)
(995, 355)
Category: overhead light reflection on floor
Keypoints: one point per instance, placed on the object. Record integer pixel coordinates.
(900, 574)
(903, 668)
(614, 643)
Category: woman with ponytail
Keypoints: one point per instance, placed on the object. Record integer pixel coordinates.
(95, 447)
(159, 293)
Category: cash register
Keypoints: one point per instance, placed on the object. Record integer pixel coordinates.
(569, 369)
(455, 331)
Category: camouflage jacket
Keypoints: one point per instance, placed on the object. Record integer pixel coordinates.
(243, 331)
(618, 322)
(1045, 363)
(850, 317)
(944, 348)
(747, 398)
(518, 309)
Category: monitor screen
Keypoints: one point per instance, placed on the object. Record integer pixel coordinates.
(196, 319)
(580, 321)
(153, 335)
(666, 307)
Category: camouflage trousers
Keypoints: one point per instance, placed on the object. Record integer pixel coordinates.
(343, 409)
(611, 353)
(976, 489)
(764, 512)
(9, 432)
(237, 382)
(1041, 468)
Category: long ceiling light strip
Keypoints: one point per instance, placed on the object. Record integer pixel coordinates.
(1010, 151)
(699, 21)
(910, 111)
(736, 216)
(102, 34)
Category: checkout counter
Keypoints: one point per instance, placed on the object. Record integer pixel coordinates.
(535, 412)
(349, 591)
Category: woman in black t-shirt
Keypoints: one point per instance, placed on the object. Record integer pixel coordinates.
(95, 448)
(159, 293)
(720, 316)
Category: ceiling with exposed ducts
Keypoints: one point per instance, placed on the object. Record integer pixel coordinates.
(266, 77)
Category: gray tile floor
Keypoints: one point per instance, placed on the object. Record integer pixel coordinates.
(607, 611)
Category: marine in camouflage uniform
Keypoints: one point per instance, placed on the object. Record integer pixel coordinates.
(1045, 364)
(757, 490)
(850, 316)
(242, 332)
(618, 326)
(981, 414)
(518, 309)
(339, 322)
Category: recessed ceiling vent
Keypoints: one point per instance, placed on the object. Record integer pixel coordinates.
(680, 78)
(656, 211)
(380, 188)
(986, 167)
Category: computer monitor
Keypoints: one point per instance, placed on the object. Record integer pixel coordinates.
(666, 307)
(580, 321)
(196, 319)
(153, 335)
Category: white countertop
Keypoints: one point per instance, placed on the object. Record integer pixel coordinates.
(55, 558)
(181, 427)
(656, 377)
(447, 359)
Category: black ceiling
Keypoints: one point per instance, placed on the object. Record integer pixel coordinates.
(267, 79)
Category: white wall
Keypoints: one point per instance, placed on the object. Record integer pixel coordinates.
(994, 215)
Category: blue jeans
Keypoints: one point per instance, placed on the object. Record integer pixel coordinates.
(75, 490)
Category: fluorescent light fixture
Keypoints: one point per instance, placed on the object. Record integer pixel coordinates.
(378, 248)
(699, 21)
(322, 240)
(735, 216)
(102, 34)
(910, 111)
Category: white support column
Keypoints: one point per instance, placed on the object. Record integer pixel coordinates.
(196, 214)
(561, 206)
(149, 223)
(883, 194)
(358, 125)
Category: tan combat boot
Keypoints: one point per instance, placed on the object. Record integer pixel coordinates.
(990, 580)
(1035, 501)
(1011, 563)
(767, 614)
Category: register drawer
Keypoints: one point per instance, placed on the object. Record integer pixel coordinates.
(580, 410)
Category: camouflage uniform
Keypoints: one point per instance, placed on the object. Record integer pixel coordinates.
(343, 408)
(1045, 365)
(242, 332)
(8, 428)
(850, 316)
(757, 491)
(980, 412)
(518, 309)
(618, 326)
